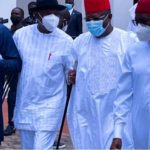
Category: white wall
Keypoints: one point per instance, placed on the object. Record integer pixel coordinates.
(120, 10)
(5, 9)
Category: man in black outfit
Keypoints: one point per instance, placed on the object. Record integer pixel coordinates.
(17, 16)
(31, 19)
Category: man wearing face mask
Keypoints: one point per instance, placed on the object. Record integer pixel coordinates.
(74, 27)
(17, 16)
(134, 86)
(99, 54)
(31, 19)
(46, 54)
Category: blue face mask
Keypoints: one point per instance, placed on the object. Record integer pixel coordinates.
(68, 6)
(96, 27)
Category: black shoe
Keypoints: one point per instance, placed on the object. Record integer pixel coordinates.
(61, 145)
(9, 130)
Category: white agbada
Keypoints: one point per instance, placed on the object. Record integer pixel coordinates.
(134, 95)
(90, 115)
(41, 92)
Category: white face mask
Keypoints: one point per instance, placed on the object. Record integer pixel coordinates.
(143, 32)
(50, 22)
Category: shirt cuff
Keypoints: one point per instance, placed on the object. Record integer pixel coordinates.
(118, 131)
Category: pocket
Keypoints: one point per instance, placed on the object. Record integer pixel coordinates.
(52, 75)
(53, 65)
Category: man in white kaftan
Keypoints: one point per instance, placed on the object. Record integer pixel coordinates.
(99, 57)
(133, 94)
(46, 56)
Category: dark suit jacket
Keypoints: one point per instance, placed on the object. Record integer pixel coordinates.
(75, 24)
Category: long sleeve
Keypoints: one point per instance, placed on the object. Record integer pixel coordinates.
(79, 22)
(68, 59)
(11, 62)
(122, 105)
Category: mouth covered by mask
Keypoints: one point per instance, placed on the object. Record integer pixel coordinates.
(96, 27)
(143, 32)
(68, 6)
(50, 22)
(15, 19)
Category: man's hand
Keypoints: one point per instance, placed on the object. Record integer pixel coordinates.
(116, 144)
(72, 76)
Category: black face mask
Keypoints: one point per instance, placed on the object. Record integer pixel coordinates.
(30, 13)
(15, 19)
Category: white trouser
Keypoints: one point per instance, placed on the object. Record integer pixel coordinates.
(37, 140)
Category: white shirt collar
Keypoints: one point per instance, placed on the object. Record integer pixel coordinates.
(70, 11)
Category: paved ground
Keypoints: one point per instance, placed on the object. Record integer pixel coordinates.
(13, 142)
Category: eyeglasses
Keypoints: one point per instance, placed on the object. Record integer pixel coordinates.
(96, 18)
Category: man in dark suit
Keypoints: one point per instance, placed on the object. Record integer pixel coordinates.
(75, 24)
